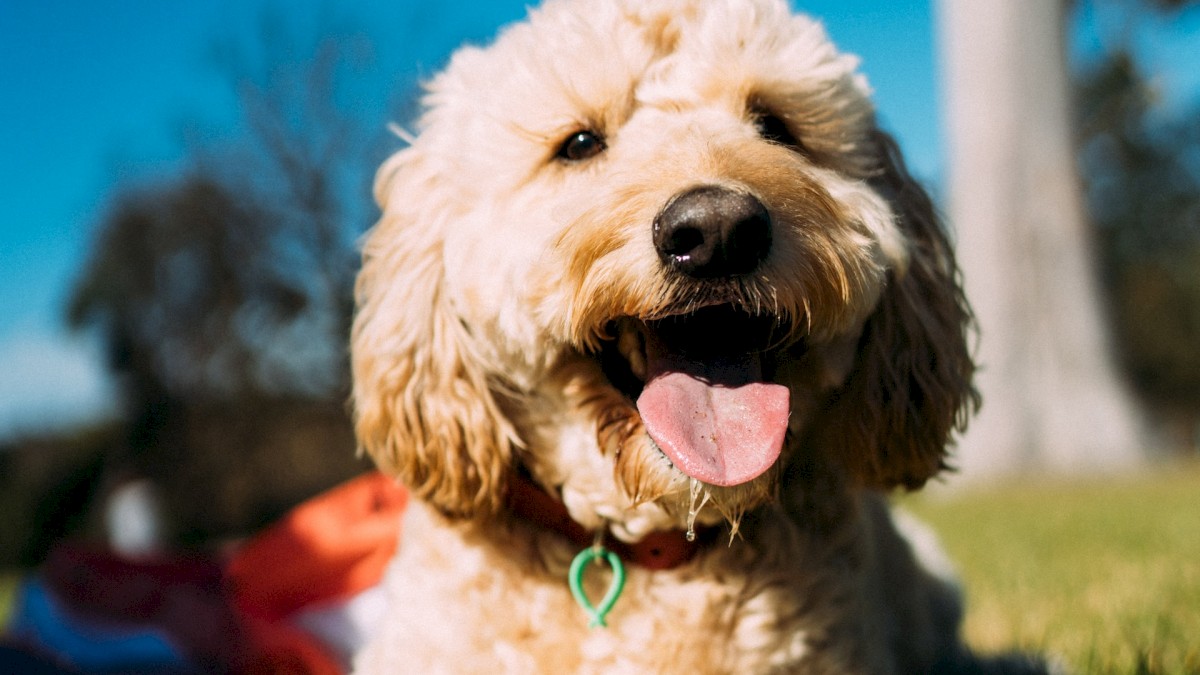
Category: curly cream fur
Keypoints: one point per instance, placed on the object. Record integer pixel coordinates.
(497, 271)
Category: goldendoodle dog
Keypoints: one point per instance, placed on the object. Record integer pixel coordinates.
(653, 300)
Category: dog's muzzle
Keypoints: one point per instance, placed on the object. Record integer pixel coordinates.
(702, 376)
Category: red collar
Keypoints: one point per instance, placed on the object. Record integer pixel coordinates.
(656, 551)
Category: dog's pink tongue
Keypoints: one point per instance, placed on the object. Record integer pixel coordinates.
(718, 422)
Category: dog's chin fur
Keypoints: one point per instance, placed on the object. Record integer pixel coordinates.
(504, 302)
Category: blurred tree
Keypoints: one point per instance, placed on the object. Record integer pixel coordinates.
(1052, 397)
(237, 278)
(314, 136)
(1142, 171)
(224, 297)
(194, 300)
(47, 486)
(1032, 258)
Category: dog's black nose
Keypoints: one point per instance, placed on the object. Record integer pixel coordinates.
(712, 231)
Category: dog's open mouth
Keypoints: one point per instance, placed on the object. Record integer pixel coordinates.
(702, 383)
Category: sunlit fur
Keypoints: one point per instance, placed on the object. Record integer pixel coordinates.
(498, 270)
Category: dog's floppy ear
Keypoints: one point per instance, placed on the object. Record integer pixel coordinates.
(911, 386)
(422, 405)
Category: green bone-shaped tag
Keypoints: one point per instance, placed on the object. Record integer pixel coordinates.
(579, 566)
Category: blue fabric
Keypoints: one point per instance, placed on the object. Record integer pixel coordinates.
(40, 619)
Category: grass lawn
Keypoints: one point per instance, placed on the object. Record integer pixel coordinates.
(1102, 573)
(8, 587)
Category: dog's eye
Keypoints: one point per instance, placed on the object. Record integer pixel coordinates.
(581, 145)
(774, 129)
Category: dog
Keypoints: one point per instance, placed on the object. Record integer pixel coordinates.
(650, 286)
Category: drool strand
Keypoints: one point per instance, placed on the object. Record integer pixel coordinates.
(695, 488)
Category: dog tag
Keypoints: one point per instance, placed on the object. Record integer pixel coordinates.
(579, 566)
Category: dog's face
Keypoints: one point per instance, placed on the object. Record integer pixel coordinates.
(639, 247)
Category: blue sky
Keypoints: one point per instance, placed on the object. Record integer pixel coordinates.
(98, 92)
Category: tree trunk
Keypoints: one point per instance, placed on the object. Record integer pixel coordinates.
(1051, 395)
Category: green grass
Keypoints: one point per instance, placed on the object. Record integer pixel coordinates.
(1102, 573)
(8, 588)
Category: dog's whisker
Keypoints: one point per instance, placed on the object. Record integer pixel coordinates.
(402, 133)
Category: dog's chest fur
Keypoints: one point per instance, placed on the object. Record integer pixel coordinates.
(458, 604)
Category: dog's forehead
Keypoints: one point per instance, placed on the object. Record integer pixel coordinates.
(576, 62)
(733, 48)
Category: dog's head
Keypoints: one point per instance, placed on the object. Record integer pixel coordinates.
(641, 246)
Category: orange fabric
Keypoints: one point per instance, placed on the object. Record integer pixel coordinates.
(329, 548)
